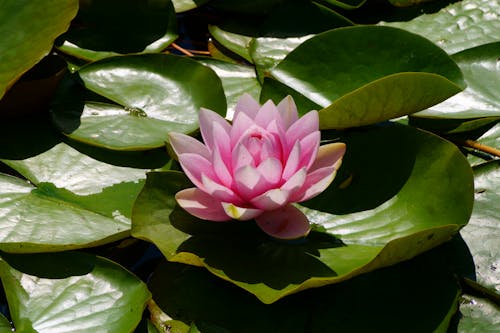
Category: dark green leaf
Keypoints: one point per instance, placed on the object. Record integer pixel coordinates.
(185, 5)
(356, 88)
(375, 214)
(28, 29)
(106, 27)
(479, 315)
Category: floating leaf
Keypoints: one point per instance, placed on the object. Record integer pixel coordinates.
(356, 88)
(374, 302)
(71, 201)
(481, 98)
(5, 325)
(346, 4)
(140, 98)
(236, 43)
(185, 5)
(482, 234)
(28, 30)
(459, 26)
(129, 26)
(373, 215)
(479, 315)
(71, 292)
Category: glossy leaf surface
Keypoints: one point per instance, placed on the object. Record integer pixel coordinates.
(409, 74)
(70, 201)
(359, 225)
(128, 26)
(25, 40)
(139, 99)
(71, 292)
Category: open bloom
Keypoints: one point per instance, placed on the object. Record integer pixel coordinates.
(255, 168)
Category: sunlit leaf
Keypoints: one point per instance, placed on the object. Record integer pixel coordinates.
(71, 292)
(137, 100)
(185, 5)
(70, 201)
(479, 315)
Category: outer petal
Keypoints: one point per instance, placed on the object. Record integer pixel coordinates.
(219, 192)
(322, 172)
(302, 127)
(183, 144)
(201, 205)
(271, 200)
(309, 146)
(194, 166)
(246, 104)
(288, 111)
(207, 118)
(240, 213)
(285, 223)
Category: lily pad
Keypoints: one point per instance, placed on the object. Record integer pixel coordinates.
(236, 81)
(5, 325)
(239, 44)
(69, 201)
(375, 214)
(356, 88)
(28, 31)
(482, 234)
(185, 5)
(128, 26)
(374, 302)
(137, 100)
(462, 25)
(479, 315)
(71, 292)
(481, 98)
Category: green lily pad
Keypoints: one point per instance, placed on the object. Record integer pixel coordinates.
(5, 325)
(481, 98)
(490, 138)
(137, 100)
(185, 5)
(356, 88)
(28, 30)
(375, 214)
(374, 302)
(236, 81)
(239, 44)
(128, 26)
(346, 4)
(71, 292)
(479, 315)
(482, 234)
(462, 25)
(69, 201)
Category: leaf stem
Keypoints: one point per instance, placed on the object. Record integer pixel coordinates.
(182, 50)
(479, 146)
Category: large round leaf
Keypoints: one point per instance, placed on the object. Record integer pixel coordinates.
(70, 201)
(482, 234)
(185, 5)
(71, 292)
(379, 211)
(140, 98)
(362, 75)
(481, 98)
(479, 315)
(106, 27)
(28, 29)
(5, 325)
(375, 302)
(459, 26)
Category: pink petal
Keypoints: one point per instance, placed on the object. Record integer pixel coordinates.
(201, 205)
(249, 182)
(207, 119)
(271, 169)
(329, 155)
(241, 124)
(222, 144)
(271, 200)
(240, 213)
(267, 113)
(218, 191)
(288, 111)
(316, 182)
(183, 144)
(309, 146)
(305, 125)
(247, 105)
(295, 182)
(241, 157)
(293, 161)
(194, 166)
(287, 222)
(221, 169)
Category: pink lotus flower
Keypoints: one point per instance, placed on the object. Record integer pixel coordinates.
(254, 169)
